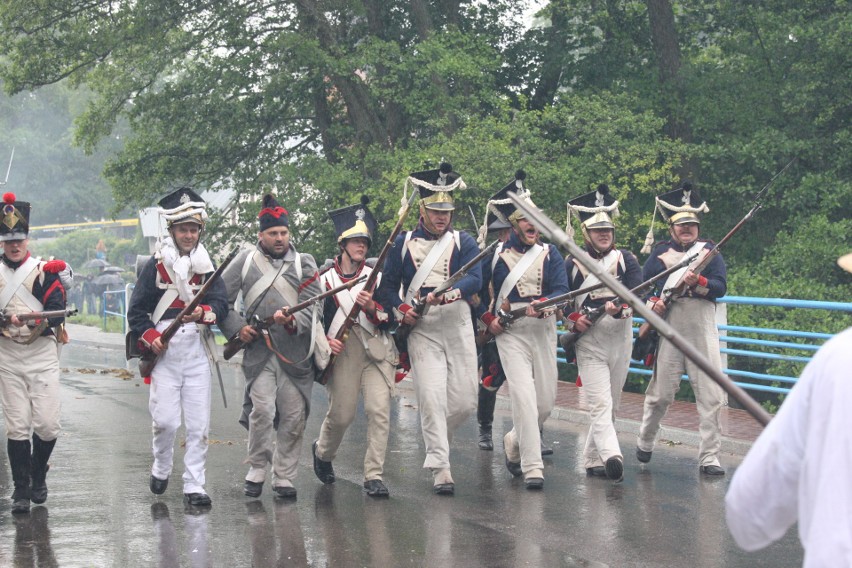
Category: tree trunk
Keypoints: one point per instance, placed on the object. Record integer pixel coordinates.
(366, 122)
(667, 51)
(552, 58)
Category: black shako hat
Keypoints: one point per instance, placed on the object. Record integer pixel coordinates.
(594, 209)
(183, 206)
(15, 224)
(682, 205)
(436, 187)
(354, 221)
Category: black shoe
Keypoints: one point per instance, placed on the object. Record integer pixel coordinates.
(21, 501)
(534, 483)
(323, 469)
(252, 489)
(284, 492)
(545, 450)
(643, 456)
(712, 470)
(485, 442)
(197, 500)
(514, 467)
(444, 489)
(614, 468)
(158, 486)
(38, 491)
(376, 488)
(597, 471)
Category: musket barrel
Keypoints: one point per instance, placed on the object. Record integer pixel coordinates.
(546, 225)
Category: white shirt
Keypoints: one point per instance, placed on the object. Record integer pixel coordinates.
(800, 468)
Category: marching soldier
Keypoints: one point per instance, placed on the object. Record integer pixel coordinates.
(693, 315)
(365, 362)
(441, 345)
(603, 350)
(180, 381)
(279, 366)
(29, 360)
(526, 273)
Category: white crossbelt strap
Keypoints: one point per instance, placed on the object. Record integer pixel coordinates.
(496, 256)
(345, 303)
(14, 279)
(169, 296)
(429, 263)
(269, 273)
(590, 280)
(518, 271)
(675, 276)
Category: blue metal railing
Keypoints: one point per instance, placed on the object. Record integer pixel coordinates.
(729, 336)
(121, 297)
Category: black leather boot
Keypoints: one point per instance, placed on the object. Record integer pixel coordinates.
(19, 460)
(545, 450)
(41, 453)
(485, 442)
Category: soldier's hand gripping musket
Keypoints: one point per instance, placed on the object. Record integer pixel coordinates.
(569, 339)
(556, 234)
(682, 286)
(421, 306)
(236, 344)
(149, 359)
(6, 318)
(352, 317)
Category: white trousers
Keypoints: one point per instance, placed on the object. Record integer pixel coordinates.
(180, 382)
(528, 354)
(355, 372)
(272, 389)
(443, 358)
(29, 388)
(695, 320)
(603, 358)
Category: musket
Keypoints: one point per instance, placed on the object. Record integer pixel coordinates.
(352, 317)
(149, 359)
(594, 314)
(6, 317)
(669, 294)
(507, 317)
(558, 236)
(235, 344)
(420, 306)
(9, 169)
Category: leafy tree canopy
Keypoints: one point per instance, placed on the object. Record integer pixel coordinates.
(322, 101)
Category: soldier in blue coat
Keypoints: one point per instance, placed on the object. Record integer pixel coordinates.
(525, 273)
(441, 346)
(693, 315)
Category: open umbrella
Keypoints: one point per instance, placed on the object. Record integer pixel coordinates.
(108, 280)
(96, 263)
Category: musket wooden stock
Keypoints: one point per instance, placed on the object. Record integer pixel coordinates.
(235, 344)
(558, 236)
(5, 318)
(352, 316)
(679, 288)
(403, 331)
(569, 339)
(508, 317)
(149, 359)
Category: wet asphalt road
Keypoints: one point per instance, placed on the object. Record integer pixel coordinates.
(101, 513)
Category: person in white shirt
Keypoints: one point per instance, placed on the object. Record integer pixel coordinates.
(798, 469)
